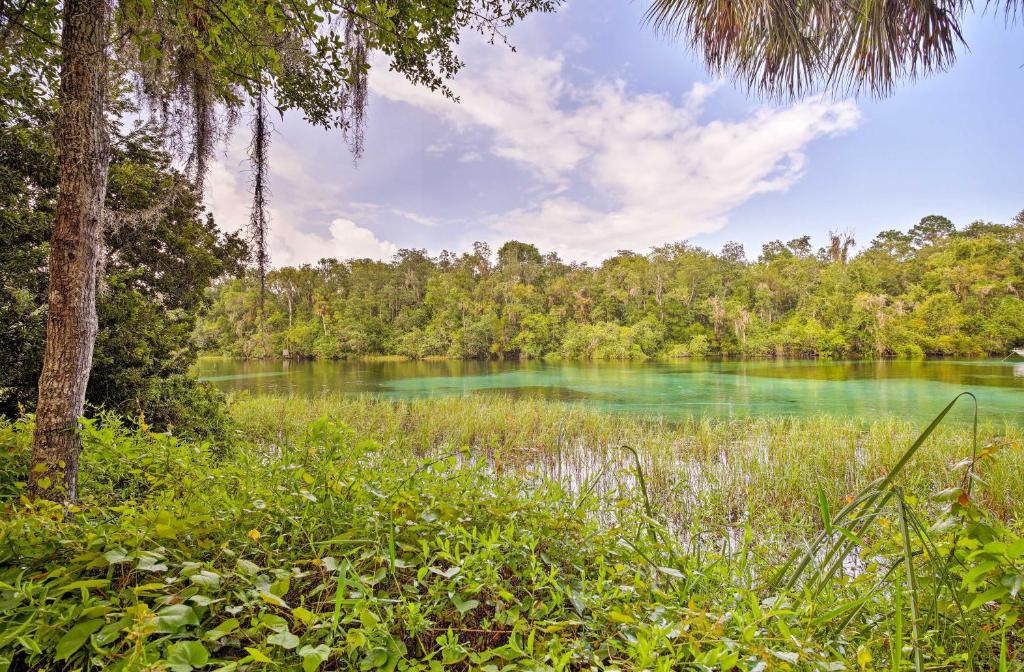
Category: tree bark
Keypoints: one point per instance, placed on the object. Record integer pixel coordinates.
(83, 148)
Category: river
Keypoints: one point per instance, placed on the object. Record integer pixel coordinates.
(730, 389)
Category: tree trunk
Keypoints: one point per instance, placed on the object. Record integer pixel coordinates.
(82, 145)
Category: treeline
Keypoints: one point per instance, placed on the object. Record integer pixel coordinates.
(932, 291)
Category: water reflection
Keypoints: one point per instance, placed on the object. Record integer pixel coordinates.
(730, 389)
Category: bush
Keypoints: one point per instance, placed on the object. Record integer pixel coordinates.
(119, 463)
(188, 408)
(698, 346)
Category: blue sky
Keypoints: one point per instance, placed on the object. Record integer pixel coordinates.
(597, 135)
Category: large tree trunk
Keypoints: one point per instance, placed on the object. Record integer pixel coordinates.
(82, 145)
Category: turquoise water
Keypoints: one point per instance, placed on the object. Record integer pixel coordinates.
(731, 389)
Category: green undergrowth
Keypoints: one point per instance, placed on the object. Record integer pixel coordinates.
(365, 536)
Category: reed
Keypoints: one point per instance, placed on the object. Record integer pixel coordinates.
(705, 474)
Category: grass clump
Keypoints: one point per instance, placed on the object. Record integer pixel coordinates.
(376, 543)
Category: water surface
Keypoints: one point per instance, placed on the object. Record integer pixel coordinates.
(730, 389)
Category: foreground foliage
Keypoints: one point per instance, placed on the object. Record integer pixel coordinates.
(310, 545)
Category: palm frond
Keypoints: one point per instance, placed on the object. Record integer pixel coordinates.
(788, 48)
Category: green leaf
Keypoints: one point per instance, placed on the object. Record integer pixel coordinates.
(78, 585)
(283, 639)
(116, 555)
(225, 628)
(314, 656)
(464, 605)
(279, 588)
(247, 567)
(991, 595)
(671, 571)
(186, 656)
(206, 579)
(273, 599)
(175, 617)
(377, 657)
(74, 638)
(257, 655)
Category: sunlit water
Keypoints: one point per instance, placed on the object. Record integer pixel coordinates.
(674, 390)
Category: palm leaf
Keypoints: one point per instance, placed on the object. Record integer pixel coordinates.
(788, 48)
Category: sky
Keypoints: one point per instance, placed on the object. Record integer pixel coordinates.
(596, 135)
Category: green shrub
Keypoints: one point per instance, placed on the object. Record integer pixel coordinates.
(698, 346)
(188, 408)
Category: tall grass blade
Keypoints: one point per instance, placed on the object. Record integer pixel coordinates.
(908, 560)
(868, 497)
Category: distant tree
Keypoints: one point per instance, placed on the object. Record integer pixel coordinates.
(801, 246)
(515, 252)
(773, 250)
(931, 229)
(893, 243)
(733, 252)
(879, 303)
(839, 247)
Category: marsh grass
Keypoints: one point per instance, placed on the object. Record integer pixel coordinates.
(705, 475)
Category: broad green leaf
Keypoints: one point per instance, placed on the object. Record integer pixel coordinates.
(74, 638)
(314, 656)
(283, 639)
(224, 628)
(377, 657)
(175, 617)
(247, 567)
(187, 656)
(464, 605)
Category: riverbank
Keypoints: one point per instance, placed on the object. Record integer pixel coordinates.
(512, 534)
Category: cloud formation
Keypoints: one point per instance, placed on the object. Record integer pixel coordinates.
(619, 169)
(601, 167)
(228, 197)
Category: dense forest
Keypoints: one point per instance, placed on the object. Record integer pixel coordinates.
(932, 291)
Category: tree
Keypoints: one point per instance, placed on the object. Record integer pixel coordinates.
(839, 247)
(931, 229)
(675, 300)
(788, 48)
(189, 59)
(160, 253)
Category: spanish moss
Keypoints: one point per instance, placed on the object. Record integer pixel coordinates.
(354, 100)
(258, 215)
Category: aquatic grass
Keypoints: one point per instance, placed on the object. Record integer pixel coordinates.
(704, 473)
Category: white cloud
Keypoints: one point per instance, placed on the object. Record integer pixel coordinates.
(228, 197)
(352, 241)
(437, 148)
(604, 167)
(619, 169)
(344, 240)
(415, 217)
